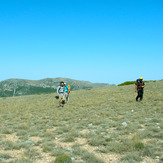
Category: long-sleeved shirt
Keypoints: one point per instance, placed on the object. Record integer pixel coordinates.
(61, 90)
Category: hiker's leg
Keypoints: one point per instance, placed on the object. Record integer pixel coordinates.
(60, 100)
(66, 94)
(67, 98)
(141, 95)
(63, 100)
(64, 97)
(137, 96)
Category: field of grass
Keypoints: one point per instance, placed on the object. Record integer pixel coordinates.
(99, 125)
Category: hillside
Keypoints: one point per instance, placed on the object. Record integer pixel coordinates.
(99, 125)
(133, 82)
(19, 87)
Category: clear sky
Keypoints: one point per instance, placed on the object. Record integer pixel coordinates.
(108, 41)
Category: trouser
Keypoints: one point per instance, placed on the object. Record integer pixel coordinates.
(140, 95)
(67, 97)
(62, 100)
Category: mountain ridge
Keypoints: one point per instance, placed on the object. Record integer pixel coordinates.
(19, 87)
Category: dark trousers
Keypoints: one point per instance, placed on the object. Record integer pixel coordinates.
(140, 95)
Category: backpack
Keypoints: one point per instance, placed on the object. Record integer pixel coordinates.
(139, 84)
(69, 89)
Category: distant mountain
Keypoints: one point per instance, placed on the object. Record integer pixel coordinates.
(19, 87)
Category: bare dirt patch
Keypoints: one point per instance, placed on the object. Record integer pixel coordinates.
(11, 137)
(35, 139)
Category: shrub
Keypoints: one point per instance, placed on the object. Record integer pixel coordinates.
(63, 159)
(69, 138)
(108, 139)
(127, 83)
(139, 146)
(97, 140)
(133, 82)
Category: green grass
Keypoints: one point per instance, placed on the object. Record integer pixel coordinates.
(48, 146)
(58, 151)
(85, 155)
(4, 156)
(22, 161)
(92, 119)
(97, 141)
(32, 154)
(63, 159)
(10, 145)
(131, 158)
(127, 83)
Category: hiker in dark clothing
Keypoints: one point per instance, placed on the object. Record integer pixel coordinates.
(139, 85)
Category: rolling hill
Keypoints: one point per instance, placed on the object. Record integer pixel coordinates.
(19, 87)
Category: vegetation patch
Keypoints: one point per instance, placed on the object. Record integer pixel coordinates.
(85, 155)
(133, 82)
(63, 159)
(32, 154)
(131, 157)
(4, 156)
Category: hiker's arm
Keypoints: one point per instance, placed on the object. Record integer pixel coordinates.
(135, 88)
(143, 86)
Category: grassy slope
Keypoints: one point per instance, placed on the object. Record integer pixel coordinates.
(89, 128)
(133, 82)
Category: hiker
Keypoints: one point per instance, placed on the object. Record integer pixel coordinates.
(61, 94)
(139, 85)
(67, 92)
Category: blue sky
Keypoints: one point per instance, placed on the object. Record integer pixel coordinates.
(107, 41)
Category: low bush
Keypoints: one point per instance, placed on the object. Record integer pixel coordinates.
(97, 141)
(133, 82)
(63, 159)
(127, 83)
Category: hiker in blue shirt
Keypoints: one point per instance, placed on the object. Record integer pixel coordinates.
(66, 92)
